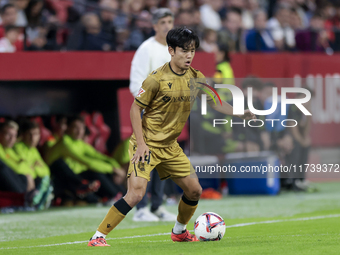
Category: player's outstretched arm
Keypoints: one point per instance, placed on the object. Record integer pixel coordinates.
(136, 121)
(227, 109)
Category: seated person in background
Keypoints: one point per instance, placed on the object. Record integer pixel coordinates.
(260, 38)
(84, 160)
(7, 43)
(15, 174)
(58, 126)
(9, 15)
(315, 38)
(26, 150)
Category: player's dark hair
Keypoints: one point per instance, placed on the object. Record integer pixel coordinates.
(74, 118)
(182, 37)
(5, 7)
(28, 125)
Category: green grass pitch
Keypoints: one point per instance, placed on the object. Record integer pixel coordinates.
(291, 223)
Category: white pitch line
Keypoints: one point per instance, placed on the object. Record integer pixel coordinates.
(163, 234)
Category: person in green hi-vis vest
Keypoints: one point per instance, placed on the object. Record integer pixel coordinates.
(26, 150)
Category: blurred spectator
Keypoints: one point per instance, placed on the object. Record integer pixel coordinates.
(259, 38)
(333, 27)
(184, 18)
(209, 14)
(41, 31)
(71, 152)
(108, 13)
(295, 21)
(197, 25)
(209, 41)
(140, 31)
(247, 14)
(174, 6)
(231, 32)
(8, 18)
(21, 5)
(151, 5)
(187, 5)
(92, 37)
(14, 175)
(136, 7)
(326, 9)
(223, 67)
(247, 8)
(7, 43)
(26, 149)
(315, 38)
(61, 9)
(280, 29)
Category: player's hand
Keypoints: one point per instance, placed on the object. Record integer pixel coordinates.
(141, 151)
(248, 115)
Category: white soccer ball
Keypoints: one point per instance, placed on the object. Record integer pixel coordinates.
(209, 227)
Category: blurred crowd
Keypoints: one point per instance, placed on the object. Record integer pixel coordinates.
(122, 25)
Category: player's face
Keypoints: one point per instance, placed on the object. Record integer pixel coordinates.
(77, 130)
(32, 137)
(182, 58)
(163, 26)
(8, 137)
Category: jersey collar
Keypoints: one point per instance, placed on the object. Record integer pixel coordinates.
(176, 73)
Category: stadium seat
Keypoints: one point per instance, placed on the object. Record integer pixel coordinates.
(9, 199)
(104, 132)
(125, 100)
(89, 124)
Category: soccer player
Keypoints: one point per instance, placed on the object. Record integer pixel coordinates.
(152, 54)
(167, 95)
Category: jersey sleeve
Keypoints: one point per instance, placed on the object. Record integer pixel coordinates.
(147, 92)
(200, 80)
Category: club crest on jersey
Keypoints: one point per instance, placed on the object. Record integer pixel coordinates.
(140, 92)
(166, 99)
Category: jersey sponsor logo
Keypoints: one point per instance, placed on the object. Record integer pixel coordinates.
(140, 92)
(169, 84)
(183, 99)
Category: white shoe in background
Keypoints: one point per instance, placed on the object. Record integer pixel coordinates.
(164, 215)
(144, 214)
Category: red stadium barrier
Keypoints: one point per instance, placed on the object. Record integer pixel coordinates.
(116, 66)
(28, 66)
